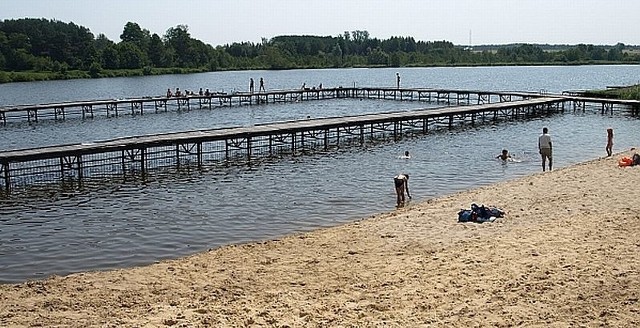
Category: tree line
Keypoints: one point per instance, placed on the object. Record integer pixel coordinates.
(59, 48)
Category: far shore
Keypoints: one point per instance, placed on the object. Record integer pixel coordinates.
(567, 254)
(33, 76)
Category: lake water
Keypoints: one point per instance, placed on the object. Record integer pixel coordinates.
(118, 223)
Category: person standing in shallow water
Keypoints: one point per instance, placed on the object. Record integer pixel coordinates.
(401, 182)
(545, 148)
(609, 141)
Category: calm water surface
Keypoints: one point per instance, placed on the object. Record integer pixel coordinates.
(118, 223)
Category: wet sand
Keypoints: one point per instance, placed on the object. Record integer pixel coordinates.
(567, 254)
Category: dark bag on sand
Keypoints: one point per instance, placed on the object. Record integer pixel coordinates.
(465, 216)
(635, 160)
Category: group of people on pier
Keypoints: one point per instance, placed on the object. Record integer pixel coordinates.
(186, 93)
(252, 87)
(178, 93)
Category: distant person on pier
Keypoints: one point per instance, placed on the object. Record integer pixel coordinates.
(251, 88)
(401, 182)
(609, 141)
(320, 86)
(200, 92)
(178, 93)
(505, 156)
(544, 146)
(405, 156)
(207, 92)
(398, 79)
(169, 93)
(261, 84)
(304, 85)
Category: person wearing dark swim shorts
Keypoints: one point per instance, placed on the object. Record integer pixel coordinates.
(401, 182)
(545, 147)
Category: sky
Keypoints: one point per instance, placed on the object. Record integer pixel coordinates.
(463, 22)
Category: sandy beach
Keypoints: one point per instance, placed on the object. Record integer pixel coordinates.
(567, 254)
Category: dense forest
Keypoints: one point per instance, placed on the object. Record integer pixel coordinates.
(32, 49)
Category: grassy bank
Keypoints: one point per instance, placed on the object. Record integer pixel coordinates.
(30, 76)
(628, 93)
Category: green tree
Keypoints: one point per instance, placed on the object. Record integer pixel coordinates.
(378, 57)
(109, 57)
(158, 55)
(276, 58)
(130, 55)
(102, 42)
(136, 35)
(179, 40)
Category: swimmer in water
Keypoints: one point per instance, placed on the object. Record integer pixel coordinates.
(405, 156)
(504, 155)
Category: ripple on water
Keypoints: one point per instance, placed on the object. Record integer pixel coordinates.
(114, 224)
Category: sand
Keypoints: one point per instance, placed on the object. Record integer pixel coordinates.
(567, 254)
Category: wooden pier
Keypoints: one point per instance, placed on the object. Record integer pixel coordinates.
(139, 155)
(141, 106)
(606, 105)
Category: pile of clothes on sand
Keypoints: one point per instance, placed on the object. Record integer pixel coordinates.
(480, 214)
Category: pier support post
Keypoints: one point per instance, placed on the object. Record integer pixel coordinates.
(226, 149)
(395, 131)
(177, 155)
(79, 162)
(293, 143)
(7, 176)
(326, 139)
(62, 167)
(143, 159)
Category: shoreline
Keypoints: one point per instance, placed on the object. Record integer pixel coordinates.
(566, 253)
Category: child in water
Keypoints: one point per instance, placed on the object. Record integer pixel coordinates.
(609, 141)
(504, 155)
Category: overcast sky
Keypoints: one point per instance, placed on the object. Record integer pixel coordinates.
(218, 22)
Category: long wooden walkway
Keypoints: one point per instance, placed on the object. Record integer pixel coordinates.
(134, 155)
(140, 106)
